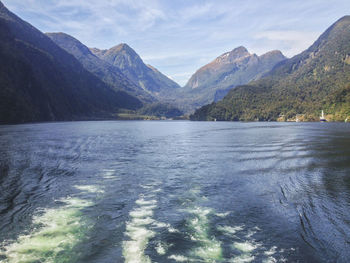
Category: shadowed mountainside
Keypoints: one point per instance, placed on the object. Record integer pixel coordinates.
(102, 69)
(39, 81)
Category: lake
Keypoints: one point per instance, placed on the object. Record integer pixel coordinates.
(175, 191)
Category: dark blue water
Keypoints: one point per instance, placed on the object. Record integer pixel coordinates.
(175, 192)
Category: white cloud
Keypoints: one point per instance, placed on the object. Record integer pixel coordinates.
(289, 41)
(295, 36)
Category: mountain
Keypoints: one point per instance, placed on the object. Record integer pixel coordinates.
(39, 81)
(316, 79)
(102, 69)
(213, 81)
(131, 65)
(160, 110)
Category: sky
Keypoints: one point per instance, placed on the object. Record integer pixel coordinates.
(179, 36)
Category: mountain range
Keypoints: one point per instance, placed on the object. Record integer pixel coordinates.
(99, 67)
(39, 81)
(210, 83)
(55, 77)
(213, 81)
(317, 79)
(130, 63)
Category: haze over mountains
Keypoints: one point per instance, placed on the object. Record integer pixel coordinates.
(317, 79)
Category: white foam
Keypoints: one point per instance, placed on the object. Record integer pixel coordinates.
(250, 234)
(161, 249)
(223, 214)
(270, 260)
(58, 229)
(133, 251)
(180, 258)
(142, 221)
(146, 211)
(161, 224)
(210, 249)
(89, 188)
(76, 202)
(200, 211)
(243, 258)
(245, 246)
(173, 230)
(146, 202)
(271, 251)
(138, 233)
(282, 259)
(229, 229)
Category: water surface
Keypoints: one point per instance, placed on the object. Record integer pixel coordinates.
(153, 191)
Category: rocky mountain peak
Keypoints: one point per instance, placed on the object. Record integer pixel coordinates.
(130, 63)
(239, 51)
(229, 57)
(213, 81)
(123, 48)
(273, 54)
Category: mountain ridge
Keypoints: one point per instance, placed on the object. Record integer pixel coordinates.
(102, 69)
(213, 81)
(42, 82)
(236, 56)
(132, 66)
(303, 84)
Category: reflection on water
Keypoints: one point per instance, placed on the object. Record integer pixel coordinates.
(175, 192)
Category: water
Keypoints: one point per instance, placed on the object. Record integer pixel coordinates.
(175, 192)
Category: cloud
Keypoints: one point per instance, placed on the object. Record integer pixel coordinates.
(289, 41)
(295, 36)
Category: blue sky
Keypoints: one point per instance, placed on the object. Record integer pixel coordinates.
(179, 36)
